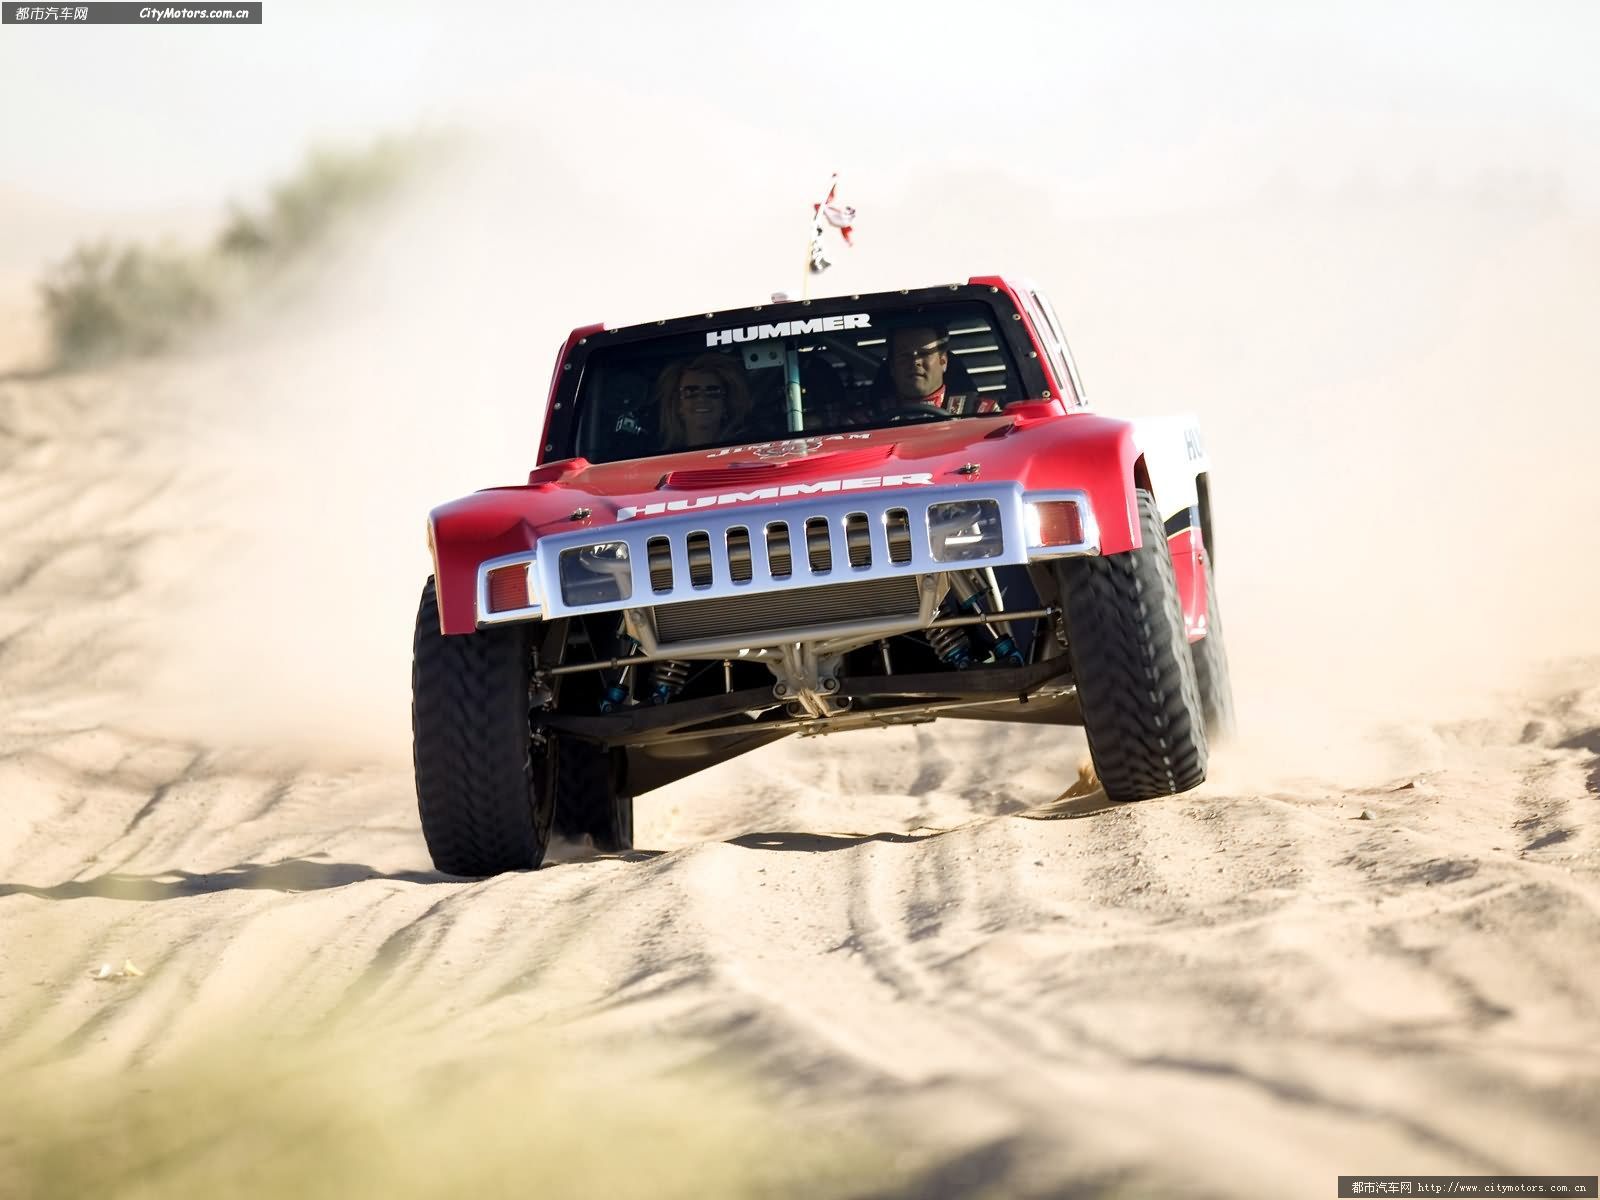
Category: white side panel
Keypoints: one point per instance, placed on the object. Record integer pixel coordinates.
(1175, 453)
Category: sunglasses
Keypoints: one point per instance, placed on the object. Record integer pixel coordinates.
(906, 357)
(713, 391)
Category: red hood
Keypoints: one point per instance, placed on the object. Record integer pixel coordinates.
(1025, 444)
(1034, 444)
(938, 449)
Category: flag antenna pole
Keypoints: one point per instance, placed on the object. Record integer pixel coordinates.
(827, 213)
(814, 246)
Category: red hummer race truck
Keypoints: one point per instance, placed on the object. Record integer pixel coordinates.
(801, 518)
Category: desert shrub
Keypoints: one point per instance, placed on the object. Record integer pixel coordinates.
(330, 187)
(107, 301)
(103, 300)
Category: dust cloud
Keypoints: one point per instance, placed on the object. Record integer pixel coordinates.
(1393, 389)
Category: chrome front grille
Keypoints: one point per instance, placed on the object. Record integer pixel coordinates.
(773, 546)
(796, 608)
(746, 551)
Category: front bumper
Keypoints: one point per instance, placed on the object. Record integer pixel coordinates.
(762, 550)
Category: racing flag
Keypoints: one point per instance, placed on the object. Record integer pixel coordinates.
(841, 216)
(829, 213)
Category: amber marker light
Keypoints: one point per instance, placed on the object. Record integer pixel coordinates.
(1056, 523)
(508, 588)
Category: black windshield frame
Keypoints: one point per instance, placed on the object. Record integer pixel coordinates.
(588, 359)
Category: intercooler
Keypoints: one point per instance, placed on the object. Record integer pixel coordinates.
(731, 616)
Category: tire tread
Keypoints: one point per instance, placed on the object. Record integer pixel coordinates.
(1135, 674)
(477, 797)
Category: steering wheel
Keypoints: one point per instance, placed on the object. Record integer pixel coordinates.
(919, 410)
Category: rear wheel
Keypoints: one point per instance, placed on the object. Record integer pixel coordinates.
(594, 800)
(1211, 669)
(1136, 677)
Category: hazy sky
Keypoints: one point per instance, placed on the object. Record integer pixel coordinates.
(121, 117)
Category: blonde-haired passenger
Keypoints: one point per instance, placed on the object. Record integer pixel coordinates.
(702, 401)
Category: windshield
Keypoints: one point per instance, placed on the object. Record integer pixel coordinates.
(798, 374)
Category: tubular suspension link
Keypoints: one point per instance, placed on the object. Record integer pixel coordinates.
(1005, 649)
(618, 692)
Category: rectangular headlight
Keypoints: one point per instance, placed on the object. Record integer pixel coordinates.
(600, 574)
(964, 530)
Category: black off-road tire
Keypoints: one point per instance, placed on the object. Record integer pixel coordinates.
(1134, 670)
(1211, 669)
(486, 798)
(593, 799)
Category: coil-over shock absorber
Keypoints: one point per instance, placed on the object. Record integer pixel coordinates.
(952, 646)
(670, 677)
(969, 590)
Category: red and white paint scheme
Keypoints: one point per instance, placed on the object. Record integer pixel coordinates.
(1051, 440)
(808, 517)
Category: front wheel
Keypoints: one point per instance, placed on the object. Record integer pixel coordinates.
(1135, 674)
(485, 789)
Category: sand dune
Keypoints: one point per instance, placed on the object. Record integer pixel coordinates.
(1240, 987)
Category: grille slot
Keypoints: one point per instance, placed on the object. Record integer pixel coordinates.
(699, 547)
(858, 539)
(739, 554)
(660, 556)
(818, 547)
(778, 559)
(794, 608)
(897, 523)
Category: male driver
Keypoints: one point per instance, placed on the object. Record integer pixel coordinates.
(918, 362)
